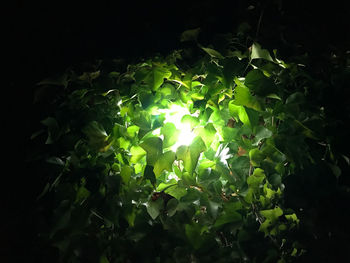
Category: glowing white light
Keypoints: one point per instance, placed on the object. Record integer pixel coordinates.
(174, 115)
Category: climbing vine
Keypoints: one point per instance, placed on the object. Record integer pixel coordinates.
(171, 161)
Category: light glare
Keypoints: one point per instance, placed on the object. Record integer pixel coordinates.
(174, 115)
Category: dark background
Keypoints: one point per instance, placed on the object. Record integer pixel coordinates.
(43, 39)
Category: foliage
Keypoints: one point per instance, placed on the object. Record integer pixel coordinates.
(118, 192)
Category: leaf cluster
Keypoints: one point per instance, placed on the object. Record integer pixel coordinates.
(118, 193)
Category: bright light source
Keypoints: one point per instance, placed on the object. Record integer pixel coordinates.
(174, 115)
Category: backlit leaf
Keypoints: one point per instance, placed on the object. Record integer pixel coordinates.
(190, 154)
(170, 133)
(207, 133)
(164, 162)
(154, 147)
(272, 214)
(243, 97)
(258, 52)
(137, 153)
(256, 156)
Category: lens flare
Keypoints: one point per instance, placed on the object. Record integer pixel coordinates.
(174, 115)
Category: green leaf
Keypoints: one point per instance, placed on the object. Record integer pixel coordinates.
(258, 83)
(157, 76)
(240, 167)
(96, 134)
(137, 153)
(170, 133)
(176, 191)
(171, 207)
(260, 134)
(164, 162)
(143, 120)
(197, 96)
(272, 214)
(247, 116)
(229, 134)
(154, 147)
(167, 90)
(293, 218)
(154, 207)
(243, 97)
(190, 154)
(259, 53)
(190, 120)
(220, 117)
(123, 143)
(255, 180)
(213, 53)
(130, 215)
(231, 67)
(126, 173)
(229, 214)
(146, 98)
(149, 174)
(132, 130)
(256, 156)
(207, 133)
(264, 227)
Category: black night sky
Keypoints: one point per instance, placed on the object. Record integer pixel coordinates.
(44, 38)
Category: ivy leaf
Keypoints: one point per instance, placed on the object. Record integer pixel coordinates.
(254, 181)
(146, 98)
(164, 162)
(131, 131)
(231, 67)
(207, 133)
(154, 207)
(272, 214)
(258, 83)
(126, 173)
(259, 53)
(256, 156)
(137, 153)
(190, 154)
(213, 53)
(229, 134)
(170, 134)
(190, 120)
(149, 174)
(243, 97)
(240, 167)
(260, 134)
(154, 147)
(157, 76)
(229, 214)
(143, 120)
(96, 134)
(176, 191)
(171, 207)
(247, 116)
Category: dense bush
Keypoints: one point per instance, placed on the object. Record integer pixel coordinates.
(247, 188)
